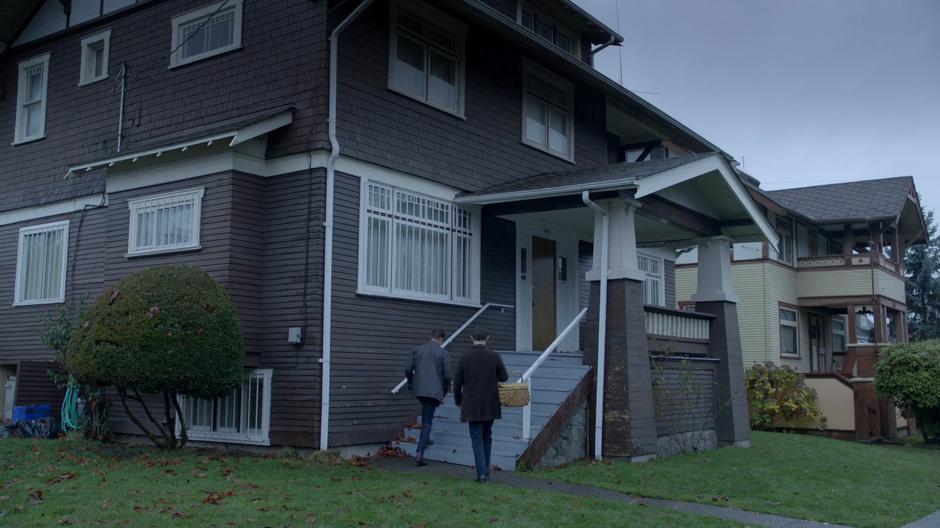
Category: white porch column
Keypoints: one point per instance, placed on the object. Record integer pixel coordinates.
(714, 271)
(621, 254)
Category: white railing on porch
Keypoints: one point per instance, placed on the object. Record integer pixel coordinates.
(821, 262)
(677, 324)
(457, 332)
(543, 357)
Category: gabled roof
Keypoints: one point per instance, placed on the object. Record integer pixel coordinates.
(614, 175)
(860, 201)
(13, 14)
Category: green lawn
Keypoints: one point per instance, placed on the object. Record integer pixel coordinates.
(787, 474)
(68, 483)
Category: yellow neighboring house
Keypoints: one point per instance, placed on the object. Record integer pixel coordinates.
(831, 296)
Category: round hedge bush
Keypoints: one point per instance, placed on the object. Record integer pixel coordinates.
(909, 375)
(161, 330)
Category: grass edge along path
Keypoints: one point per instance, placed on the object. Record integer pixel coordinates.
(73, 483)
(800, 476)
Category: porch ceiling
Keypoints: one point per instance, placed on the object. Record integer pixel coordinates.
(686, 197)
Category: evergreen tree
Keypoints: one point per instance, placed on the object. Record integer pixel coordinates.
(922, 263)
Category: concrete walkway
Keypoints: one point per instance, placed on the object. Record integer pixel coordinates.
(519, 480)
(930, 521)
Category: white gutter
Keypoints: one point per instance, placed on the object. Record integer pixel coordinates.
(548, 192)
(328, 225)
(601, 327)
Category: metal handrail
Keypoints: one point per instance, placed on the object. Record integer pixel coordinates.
(461, 328)
(543, 357)
(551, 348)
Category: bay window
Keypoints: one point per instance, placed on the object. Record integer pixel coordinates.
(418, 247)
(165, 222)
(426, 60)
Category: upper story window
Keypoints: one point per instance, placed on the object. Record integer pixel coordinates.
(41, 264)
(546, 28)
(95, 50)
(167, 222)
(654, 288)
(205, 32)
(418, 247)
(547, 120)
(31, 96)
(789, 335)
(426, 58)
(787, 245)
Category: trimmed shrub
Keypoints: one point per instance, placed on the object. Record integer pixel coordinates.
(908, 375)
(778, 394)
(169, 331)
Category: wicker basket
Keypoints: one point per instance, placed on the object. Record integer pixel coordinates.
(514, 394)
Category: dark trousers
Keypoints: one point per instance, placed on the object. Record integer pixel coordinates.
(428, 406)
(481, 437)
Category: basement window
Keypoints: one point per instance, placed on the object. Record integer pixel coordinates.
(242, 416)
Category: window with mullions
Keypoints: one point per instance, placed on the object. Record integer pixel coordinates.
(166, 222)
(547, 122)
(654, 287)
(545, 28)
(838, 334)
(789, 334)
(241, 416)
(426, 57)
(41, 264)
(417, 247)
(206, 32)
(31, 95)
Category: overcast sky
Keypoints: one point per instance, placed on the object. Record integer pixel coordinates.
(802, 92)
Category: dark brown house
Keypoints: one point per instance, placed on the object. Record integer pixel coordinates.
(357, 172)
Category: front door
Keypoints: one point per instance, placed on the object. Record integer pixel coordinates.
(543, 293)
(817, 344)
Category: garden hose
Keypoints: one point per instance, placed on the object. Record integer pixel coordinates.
(70, 406)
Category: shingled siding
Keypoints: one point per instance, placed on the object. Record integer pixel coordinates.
(284, 43)
(373, 336)
(685, 395)
(378, 125)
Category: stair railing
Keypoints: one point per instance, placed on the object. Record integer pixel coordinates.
(543, 357)
(457, 332)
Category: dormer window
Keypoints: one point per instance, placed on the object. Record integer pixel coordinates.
(546, 28)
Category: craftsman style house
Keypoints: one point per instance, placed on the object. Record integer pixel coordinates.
(831, 296)
(355, 173)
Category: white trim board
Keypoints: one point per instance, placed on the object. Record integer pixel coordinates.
(26, 214)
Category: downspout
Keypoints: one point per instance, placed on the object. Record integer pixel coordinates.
(328, 225)
(601, 326)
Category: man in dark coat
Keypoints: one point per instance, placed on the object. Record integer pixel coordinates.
(429, 379)
(476, 391)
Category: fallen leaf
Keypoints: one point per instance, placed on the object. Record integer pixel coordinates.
(60, 478)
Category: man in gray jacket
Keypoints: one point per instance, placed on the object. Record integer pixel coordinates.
(429, 379)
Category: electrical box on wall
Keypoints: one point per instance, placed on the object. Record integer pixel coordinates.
(294, 335)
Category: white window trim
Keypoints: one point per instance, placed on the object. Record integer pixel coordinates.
(573, 36)
(391, 293)
(87, 77)
(176, 50)
(53, 226)
(19, 130)
(448, 23)
(201, 435)
(530, 68)
(134, 204)
(795, 324)
(661, 277)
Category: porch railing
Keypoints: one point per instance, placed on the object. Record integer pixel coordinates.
(543, 357)
(677, 323)
(457, 332)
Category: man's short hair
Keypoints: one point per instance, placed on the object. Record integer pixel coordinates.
(437, 334)
(480, 334)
